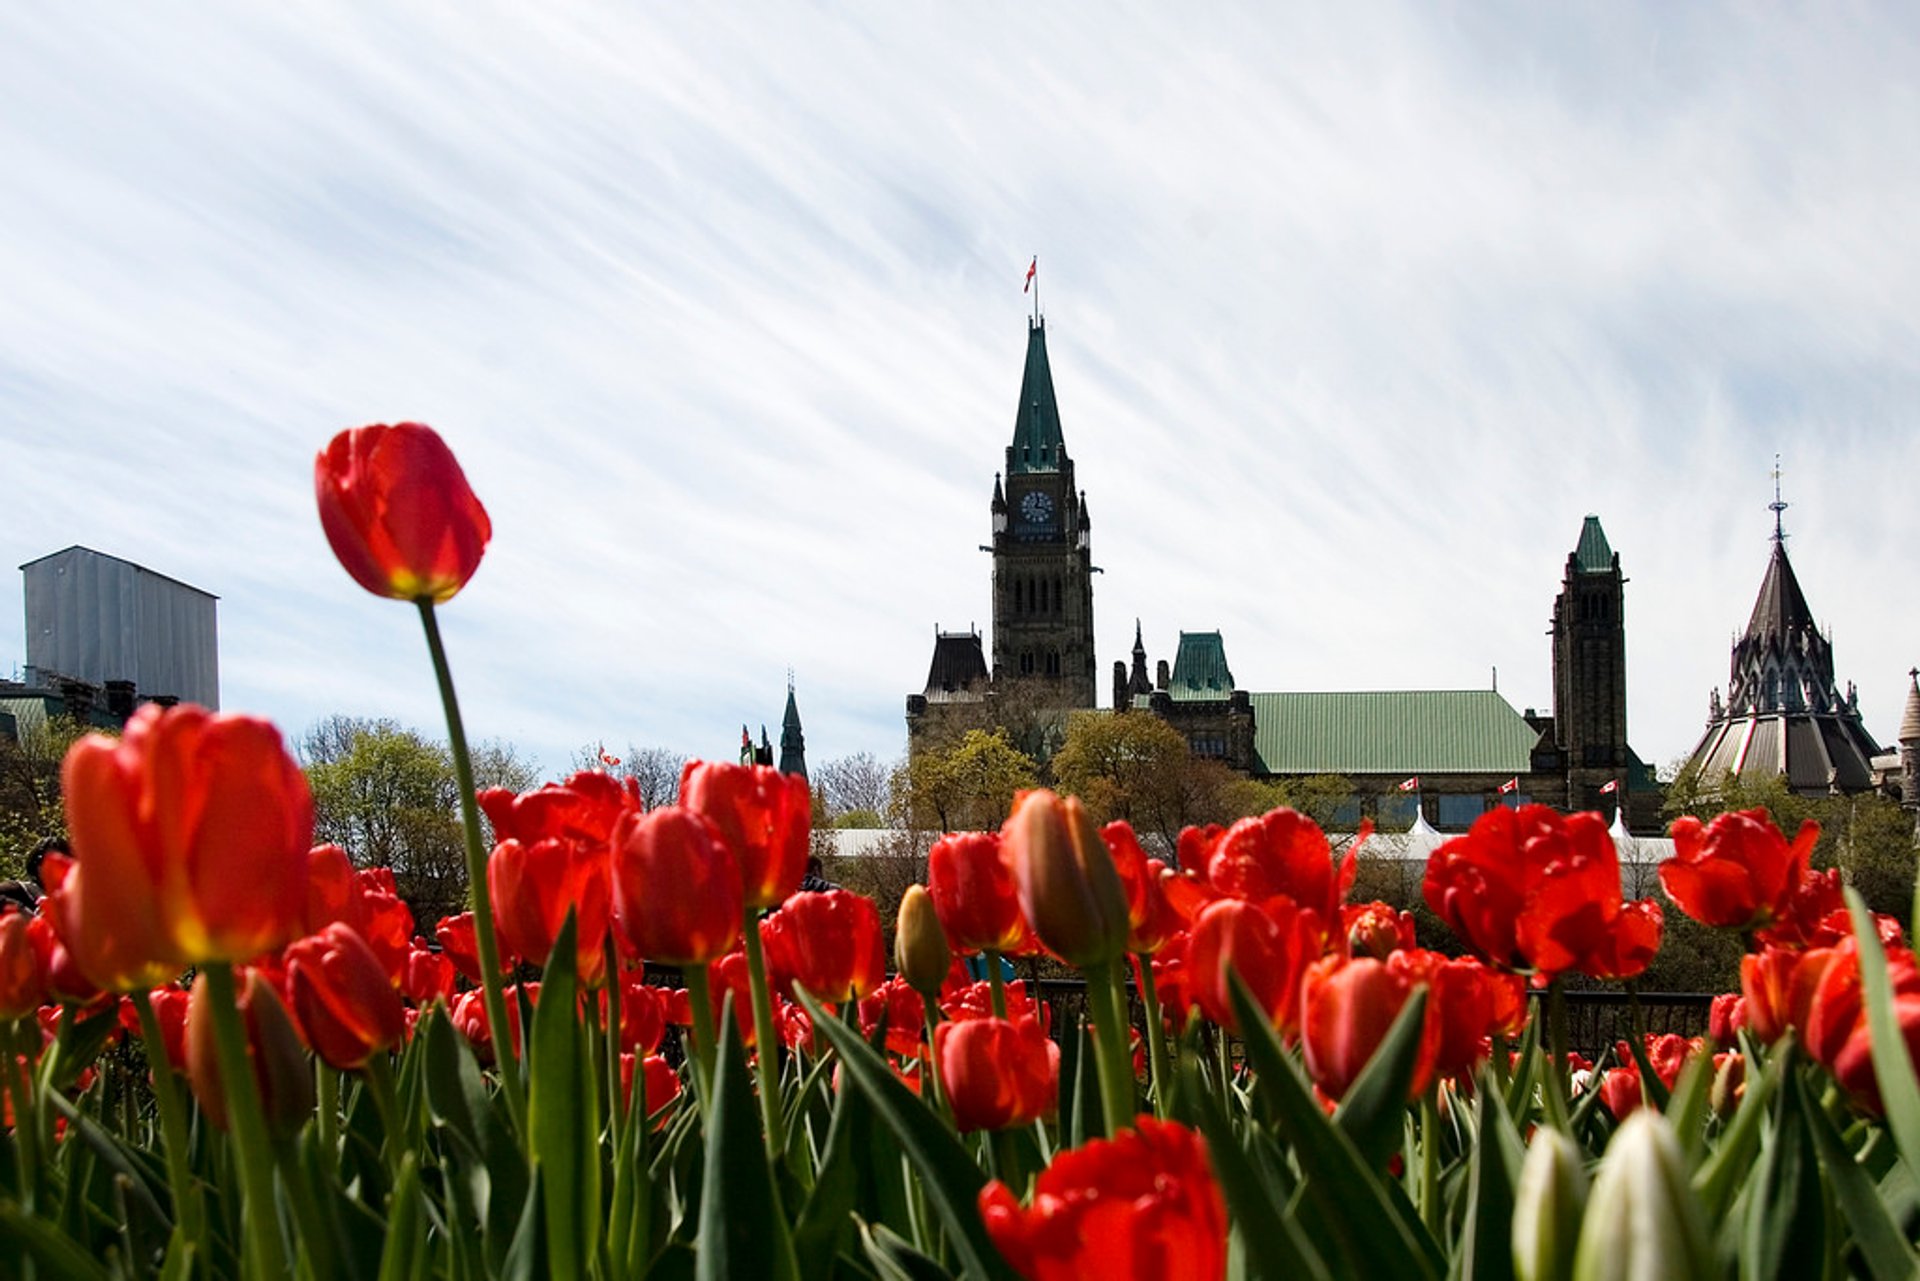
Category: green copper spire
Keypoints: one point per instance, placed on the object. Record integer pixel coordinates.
(1593, 555)
(1037, 446)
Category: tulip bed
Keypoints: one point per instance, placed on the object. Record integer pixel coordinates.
(233, 1055)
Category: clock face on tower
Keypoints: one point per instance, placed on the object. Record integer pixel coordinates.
(1037, 508)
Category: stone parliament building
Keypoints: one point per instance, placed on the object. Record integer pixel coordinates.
(1468, 749)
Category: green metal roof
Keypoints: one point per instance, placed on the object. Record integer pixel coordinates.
(1469, 731)
(1593, 555)
(1200, 667)
(1037, 445)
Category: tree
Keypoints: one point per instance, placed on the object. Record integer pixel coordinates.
(854, 784)
(388, 796)
(30, 804)
(967, 787)
(1123, 765)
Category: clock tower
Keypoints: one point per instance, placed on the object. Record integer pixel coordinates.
(1042, 565)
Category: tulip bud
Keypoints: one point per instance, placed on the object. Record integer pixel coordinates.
(1546, 1208)
(1643, 1219)
(1068, 886)
(920, 949)
(1729, 1083)
(273, 1047)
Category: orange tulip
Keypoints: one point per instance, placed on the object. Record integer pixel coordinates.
(190, 842)
(23, 966)
(398, 512)
(1070, 892)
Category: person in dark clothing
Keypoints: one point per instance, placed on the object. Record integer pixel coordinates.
(27, 892)
(815, 879)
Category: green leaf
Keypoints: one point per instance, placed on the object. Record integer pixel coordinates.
(527, 1251)
(1719, 1178)
(1276, 1249)
(1687, 1106)
(1486, 1245)
(1374, 1112)
(894, 1260)
(113, 1154)
(1526, 1076)
(824, 1219)
(743, 1231)
(1374, 1236)
(406, 1253)
(1883, 1246)
(1782, 1234)
(563, 1119)
(41, 1240)
(948, 1176)
(1892, 1065)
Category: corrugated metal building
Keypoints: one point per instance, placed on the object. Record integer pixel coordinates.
(97, 618)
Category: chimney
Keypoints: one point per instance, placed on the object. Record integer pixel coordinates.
(120, 700)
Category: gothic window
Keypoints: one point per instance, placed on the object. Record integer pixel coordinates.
(1019, 595)
(1026, 662)
(1053, 662)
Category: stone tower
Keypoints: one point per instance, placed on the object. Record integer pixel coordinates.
(1042, 565)
(1590, 666)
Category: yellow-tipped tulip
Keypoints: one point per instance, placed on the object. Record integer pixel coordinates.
(1068, 886)
(920, 950)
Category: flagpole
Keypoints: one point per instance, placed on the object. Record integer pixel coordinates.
(1036, 289)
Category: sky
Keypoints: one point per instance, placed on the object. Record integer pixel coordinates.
(1355, 312)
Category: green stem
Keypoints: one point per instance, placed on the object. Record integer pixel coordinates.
(1156, 1044)
(766, 1045)
(264, 1253)
(378, 1074)
(616, 1108)
(327, 1091)
(700, 1004)
(1006, 1162)
(1558, 1105)
(1430, 1208)
(929, 1071)
(188, 1208)
(1114, 1064)
(26, 1121)
(485, 941)
(998, 984)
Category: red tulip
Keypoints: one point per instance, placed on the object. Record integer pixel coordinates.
(427, 977)
(1531, 890)
(643, 1013)
(534, 887)
(398, 513)
(762, 816)
(1069, 891)
(1281, 852)
(458, 942)
(23, 966)
(1347, 1008)
(1141, 1206)
(827, 943)
(1725, 1018)
(585, 809)
(470, 1018)
(1737, 871)
(1376, 929)
(904, 1011)
(329, 887)
(342, 998)
(1620, 1090)
(975, 1001)
(676, 887)
(190, 842)
(1270, 948)
(661, 1081)
(279, 1061)
(974, 895)
(996, 1073)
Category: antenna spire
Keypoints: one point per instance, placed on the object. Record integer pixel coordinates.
(1777, 506)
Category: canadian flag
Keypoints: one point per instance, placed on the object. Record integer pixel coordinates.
(1611, 785)
(1511, 785)
(1033, 269)
(1411, 785)
(611, 762)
